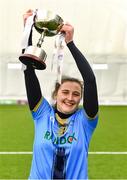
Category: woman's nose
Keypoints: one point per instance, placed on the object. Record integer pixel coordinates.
(70, 96)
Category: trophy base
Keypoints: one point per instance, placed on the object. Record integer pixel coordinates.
(34, 56)
(34, 61)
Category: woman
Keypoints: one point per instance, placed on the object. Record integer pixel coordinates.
(63, 132)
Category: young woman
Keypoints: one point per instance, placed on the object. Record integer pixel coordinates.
(63, 131)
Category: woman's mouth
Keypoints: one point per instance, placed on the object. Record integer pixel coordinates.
(69, 103)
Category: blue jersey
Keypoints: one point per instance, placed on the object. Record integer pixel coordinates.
(73, 143)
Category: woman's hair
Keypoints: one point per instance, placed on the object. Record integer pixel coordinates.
(66, 79)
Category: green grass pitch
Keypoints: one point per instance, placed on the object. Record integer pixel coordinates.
(17, 131)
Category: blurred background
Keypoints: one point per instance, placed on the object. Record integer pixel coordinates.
(100, 34)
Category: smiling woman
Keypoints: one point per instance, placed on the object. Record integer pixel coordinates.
(67, 95)
(63, 131)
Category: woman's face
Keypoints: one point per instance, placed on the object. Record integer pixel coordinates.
(68, 97)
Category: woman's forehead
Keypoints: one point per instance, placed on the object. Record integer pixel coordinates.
(70, 84)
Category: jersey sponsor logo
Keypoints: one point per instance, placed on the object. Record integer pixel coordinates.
(60, 140)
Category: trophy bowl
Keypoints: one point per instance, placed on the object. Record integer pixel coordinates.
(47, 24)
(49, 21)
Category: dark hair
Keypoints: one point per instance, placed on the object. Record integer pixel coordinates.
(66, 79)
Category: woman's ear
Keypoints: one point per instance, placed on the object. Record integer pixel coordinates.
(54, 99)
(55, 96)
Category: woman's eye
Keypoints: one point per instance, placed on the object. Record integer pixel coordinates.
(65, 92)
(76, 94)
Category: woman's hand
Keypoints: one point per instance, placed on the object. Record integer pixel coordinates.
(68, 30)
(26, 15)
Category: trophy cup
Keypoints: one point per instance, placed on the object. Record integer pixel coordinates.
(47, 24)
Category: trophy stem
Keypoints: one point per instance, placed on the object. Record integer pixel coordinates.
(41, 39)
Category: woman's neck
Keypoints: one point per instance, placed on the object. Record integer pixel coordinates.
(62, 115)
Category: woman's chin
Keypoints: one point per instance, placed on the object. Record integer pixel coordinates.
(68, 111)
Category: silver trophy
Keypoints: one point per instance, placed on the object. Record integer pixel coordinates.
(47, 24)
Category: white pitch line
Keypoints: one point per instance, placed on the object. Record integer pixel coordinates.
(107, 152)
(25, 152)
(96, 153)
